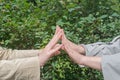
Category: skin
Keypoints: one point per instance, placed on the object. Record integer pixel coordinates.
(52, 48)
(77, 54)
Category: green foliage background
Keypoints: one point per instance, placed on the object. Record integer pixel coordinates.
(24, 25)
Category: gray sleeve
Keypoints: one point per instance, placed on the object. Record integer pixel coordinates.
(111, 67)
(100, 48)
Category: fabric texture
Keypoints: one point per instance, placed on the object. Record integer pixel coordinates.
(111, 67)
(9, 54)
(101, 48)
(110, 53)
(19, 64)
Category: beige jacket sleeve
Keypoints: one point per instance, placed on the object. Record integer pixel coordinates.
(19, 64)
(20, 69)
(9, 54)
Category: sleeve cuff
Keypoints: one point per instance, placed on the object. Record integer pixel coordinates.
(87, 53)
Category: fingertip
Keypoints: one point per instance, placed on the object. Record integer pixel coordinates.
(57, 53)
(58, 27)
(57, 45)
(62, 30)
(63, 47)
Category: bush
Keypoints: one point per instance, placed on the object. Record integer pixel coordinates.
(24, 25)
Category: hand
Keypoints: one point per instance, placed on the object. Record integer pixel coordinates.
(52, 48)
(72, 49)
(93, 62)
(73, 46)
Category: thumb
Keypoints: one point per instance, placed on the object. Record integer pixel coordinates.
(54, 50)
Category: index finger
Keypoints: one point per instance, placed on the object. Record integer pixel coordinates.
(57, 29)
(54, 40)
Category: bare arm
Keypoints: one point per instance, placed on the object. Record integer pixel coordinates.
(74, 51)
(93, 62)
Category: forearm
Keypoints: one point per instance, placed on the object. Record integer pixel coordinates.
(93, 62)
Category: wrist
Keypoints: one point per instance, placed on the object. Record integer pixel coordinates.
(82, 60)
(43, 58)
(81, 49)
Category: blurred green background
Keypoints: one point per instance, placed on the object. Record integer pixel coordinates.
(30, 24)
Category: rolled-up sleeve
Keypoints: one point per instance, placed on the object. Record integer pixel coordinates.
(20, 69)
(9, 54)
(111, 67)
(100, 48)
